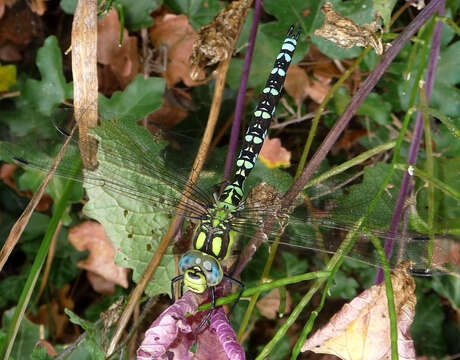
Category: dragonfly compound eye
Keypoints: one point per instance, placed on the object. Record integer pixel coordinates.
(212, 269)
(189, 259)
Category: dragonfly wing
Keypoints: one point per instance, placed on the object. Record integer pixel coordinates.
(126, 168)
(323, 233)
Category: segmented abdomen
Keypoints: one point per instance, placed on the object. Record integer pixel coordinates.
(256, 133)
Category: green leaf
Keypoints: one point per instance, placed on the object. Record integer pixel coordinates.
(92, 335)
(355, 204)
(293, 265)
(39, 353)
(199, 12)
(345, 287)
(447, 79)
(137, 13)
(427, 328)
(282, 349)
(68, 6)
(448, 287)
(140, 98)
(133, 227)
(11, 287)
(447, 210)
(275, 177)
(374, 106)
(45, 95)
(26, 338)
(384, 8)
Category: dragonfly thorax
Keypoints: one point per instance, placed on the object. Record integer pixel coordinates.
(214, 236)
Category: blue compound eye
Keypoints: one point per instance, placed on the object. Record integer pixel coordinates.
(189, 260)
(212, 270)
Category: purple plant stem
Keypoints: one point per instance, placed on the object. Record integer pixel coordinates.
(415, 143)
(338, 128)
(242, 92)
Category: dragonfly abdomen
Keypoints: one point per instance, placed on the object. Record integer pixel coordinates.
(256, 133)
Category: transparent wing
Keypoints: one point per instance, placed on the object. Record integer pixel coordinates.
(131, 164)
(324, 231)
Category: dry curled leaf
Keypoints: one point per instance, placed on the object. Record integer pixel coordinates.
(361, 329)
(17, 29)
(6, 174)
(269, 305)
(176, 35)
(49, 347)
(296, 84)
(38, 6)
(90, 236)
(346, 33)
(216, 40)
(273, 155)
(122, 60)
(4, 3)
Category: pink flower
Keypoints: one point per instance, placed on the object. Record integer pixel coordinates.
(172, 334)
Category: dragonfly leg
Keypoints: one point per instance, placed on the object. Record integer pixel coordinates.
(241, 286)
(208, 315)
(173, 281)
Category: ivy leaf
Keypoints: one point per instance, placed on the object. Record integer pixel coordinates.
(92, 335)
(352, 206)
(449, 287)
(26, 338)
(447, 77)
(374, 106)
(45, 95)
(427, 328)
(141, 97)
(384, 8)
(137, 13)
(199, 12)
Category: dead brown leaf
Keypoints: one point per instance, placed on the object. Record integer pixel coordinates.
(49, 348)
(177, 35)
(360, 330)
(122, 60)
(167, 115)
(296, 83)
(345, 33)
(299, 85)
(54, 312)
(90, 236)
(318, 90)
(270, 304)
(216, 40)
(3, 4)
(273, 154)
(6, 174)
(17, 29)
(38, 6)
(349, 138)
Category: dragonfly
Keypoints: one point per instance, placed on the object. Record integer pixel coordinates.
(223, 215)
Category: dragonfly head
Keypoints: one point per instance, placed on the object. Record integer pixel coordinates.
(200, 270)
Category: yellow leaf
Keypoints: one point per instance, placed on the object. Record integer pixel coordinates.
(7, 76)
